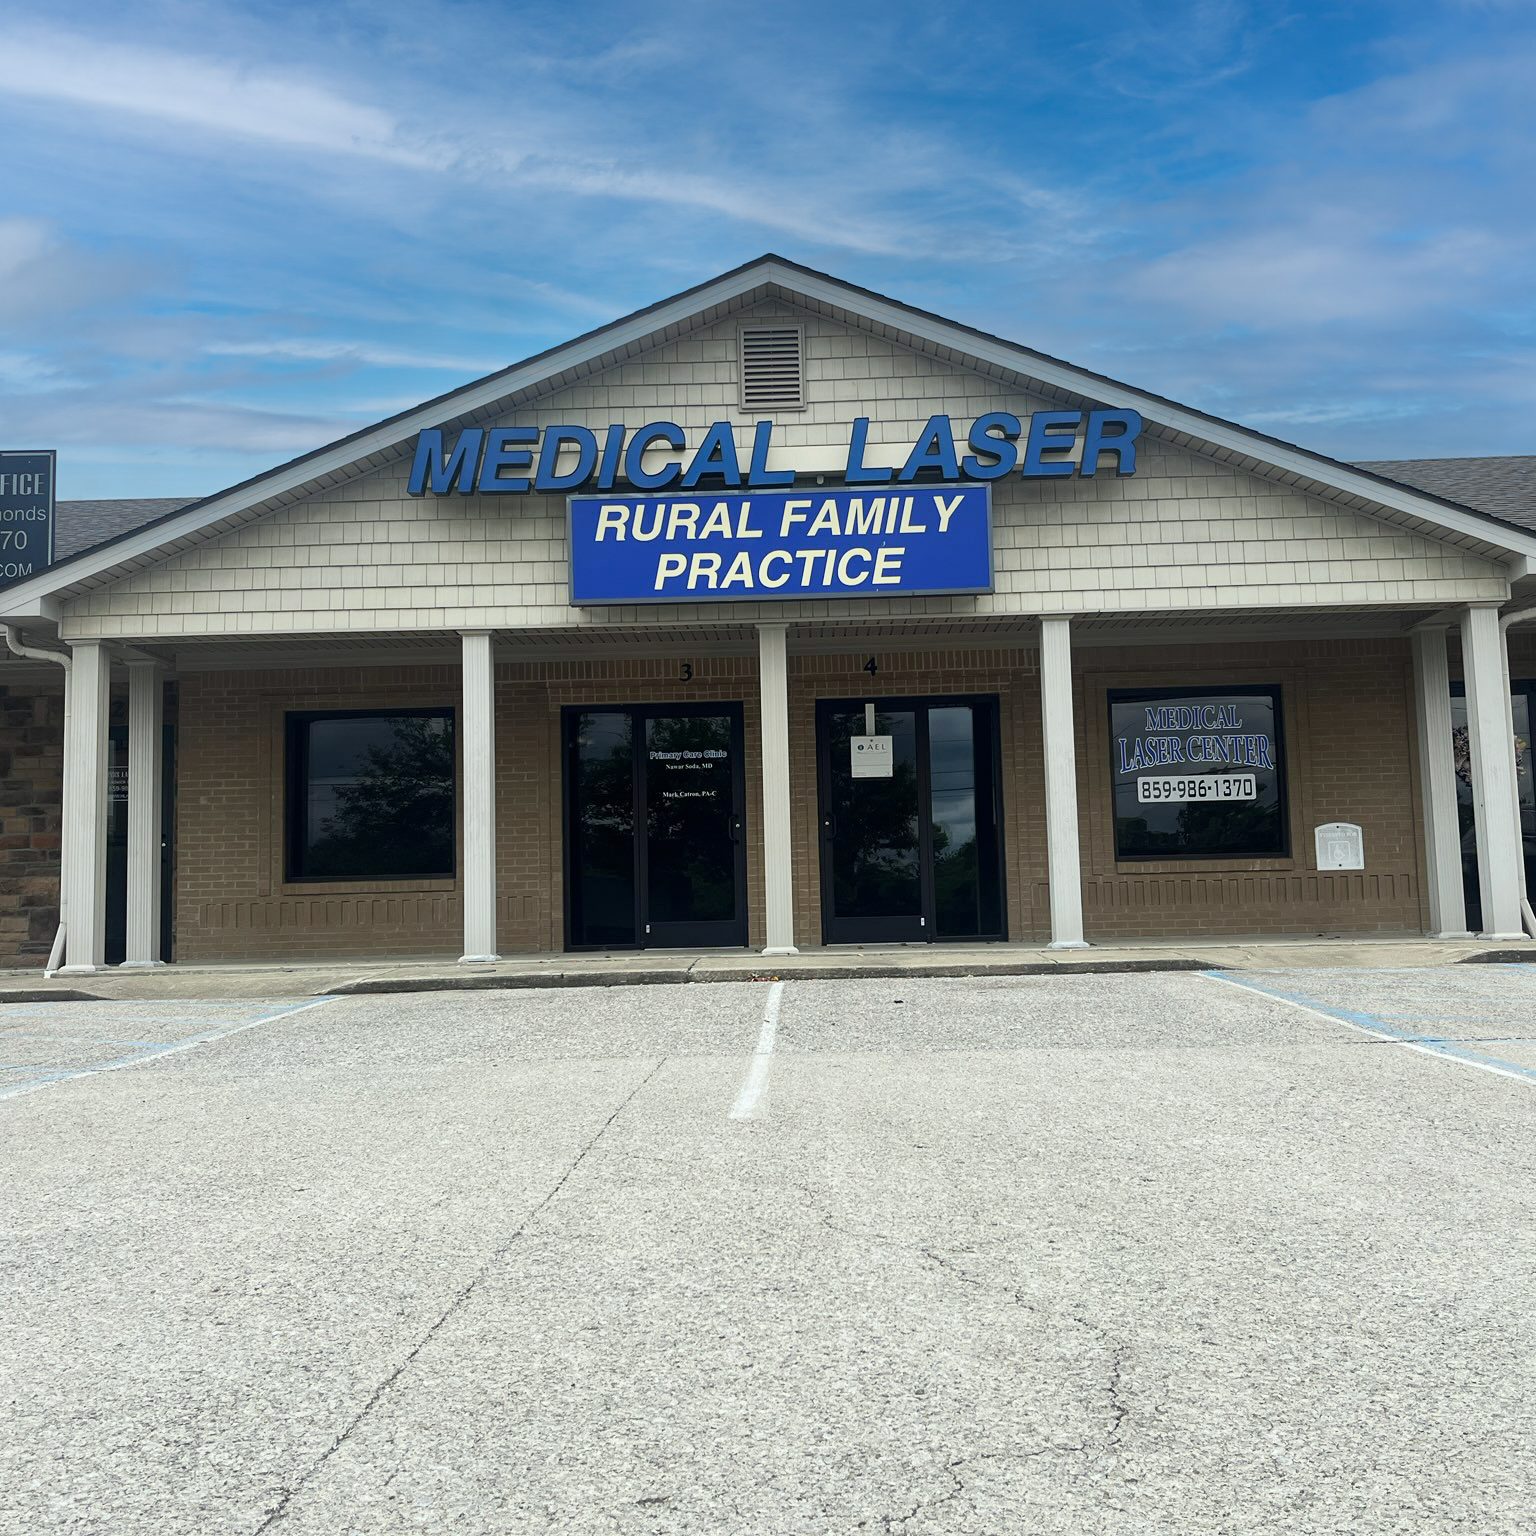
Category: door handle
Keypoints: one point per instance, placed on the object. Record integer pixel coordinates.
(735, 829)
(829, 826)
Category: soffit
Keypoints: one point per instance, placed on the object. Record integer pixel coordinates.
(807, 639)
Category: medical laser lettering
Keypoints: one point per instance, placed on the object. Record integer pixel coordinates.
(1204, 737)
(780, 544)
(1203, 734)
(512, 461)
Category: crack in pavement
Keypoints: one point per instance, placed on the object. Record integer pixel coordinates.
(890, 1522)
(1118, 1409)
(280, 1510)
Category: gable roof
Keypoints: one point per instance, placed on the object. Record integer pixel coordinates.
(82, 525)
(769, 276)
(1504, 487)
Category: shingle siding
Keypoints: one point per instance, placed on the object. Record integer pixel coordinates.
(1185, 532)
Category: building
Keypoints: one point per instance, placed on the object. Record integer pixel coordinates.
(935, 638)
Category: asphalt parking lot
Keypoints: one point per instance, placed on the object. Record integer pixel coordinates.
(1155, 1253)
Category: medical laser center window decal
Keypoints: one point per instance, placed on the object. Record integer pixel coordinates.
(1198, 773)
(834, 543)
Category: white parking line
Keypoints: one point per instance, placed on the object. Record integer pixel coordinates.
(749, 1101)
(1369, 1024)
(52, 1080)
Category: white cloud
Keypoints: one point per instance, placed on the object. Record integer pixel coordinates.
(1336, 267)
(357, 352)
(562, 146)
(205, 93)
(42, 275)
(25, 370)
(115, 418)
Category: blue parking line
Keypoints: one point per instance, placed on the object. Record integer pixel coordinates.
(1432, 1045)
(154, 1050)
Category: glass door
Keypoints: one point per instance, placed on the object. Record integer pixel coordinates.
(1522, 700)
(117, 841)
(910, 842)
(654, 845)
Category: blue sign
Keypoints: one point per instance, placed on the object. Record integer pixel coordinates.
(781, 544)
(26, 513)
(514, 461)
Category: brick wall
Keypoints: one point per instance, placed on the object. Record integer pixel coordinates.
(31, 776)
(1348, 742)
(1348, 734)
(233, 901)
(1349, 749)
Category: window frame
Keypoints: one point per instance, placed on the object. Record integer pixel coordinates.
(296, 723)
(1179, 695)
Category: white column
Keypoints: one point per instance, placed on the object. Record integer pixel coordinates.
(778, 849)
(1494, 797)
(145, 757)
(85, 794)
(1437, 785)
(1064, 868)
(478, 750)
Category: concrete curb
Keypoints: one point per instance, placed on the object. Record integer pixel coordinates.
(688, 969)
(529, 981)
(51, 995)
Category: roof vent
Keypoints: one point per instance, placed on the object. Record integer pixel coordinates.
(772, 370)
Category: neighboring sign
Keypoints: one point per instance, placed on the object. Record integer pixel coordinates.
(26, 513)
(512, 461)
(654, 549)
(117, 785)
(871, 757)
(1340, 845)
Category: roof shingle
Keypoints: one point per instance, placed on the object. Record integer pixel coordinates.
(82, 525)
(1504, 487)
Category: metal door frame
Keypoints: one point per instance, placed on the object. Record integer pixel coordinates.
(922, 929)
(720, 934)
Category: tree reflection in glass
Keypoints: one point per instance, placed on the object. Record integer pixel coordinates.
(379, 797)
(876, 868)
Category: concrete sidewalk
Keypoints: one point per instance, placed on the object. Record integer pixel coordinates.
(673, 967)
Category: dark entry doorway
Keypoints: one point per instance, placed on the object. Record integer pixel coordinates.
(654, 847)
(117, 841)
(915, 852)
(1522, 701)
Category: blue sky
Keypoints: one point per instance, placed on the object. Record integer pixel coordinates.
(230, 233)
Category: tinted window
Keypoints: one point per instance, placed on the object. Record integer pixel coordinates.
(370, 797)
(1197, 773)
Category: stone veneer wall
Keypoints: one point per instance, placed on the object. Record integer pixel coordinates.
(31, 779)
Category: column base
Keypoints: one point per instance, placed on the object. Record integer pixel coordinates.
(1505, 938)
(142, 965)
(82, 970)
(1069, 944)
(780, 949)
(1453, 933)
(478, 959)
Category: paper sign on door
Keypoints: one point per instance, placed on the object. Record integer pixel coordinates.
(871, 756)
